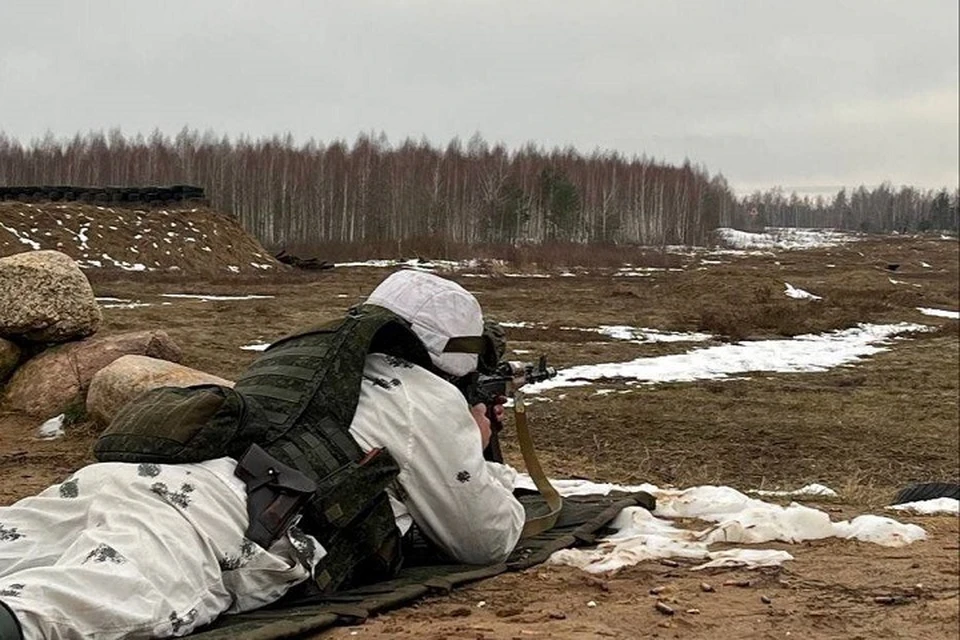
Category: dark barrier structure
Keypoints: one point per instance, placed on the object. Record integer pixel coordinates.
(106, 195)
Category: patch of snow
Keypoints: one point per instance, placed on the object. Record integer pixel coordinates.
(261, 266)
(892, 281)
(925, 265)
(205, 297)
(83, 238)
(940, 313)
(526, 275)
(934, 506)
(233, 268)
(423, 265)
(22, 238)
(127, 305)
(51, 429)
(811, 352)
(126, 266)
(256, 346)
(799, 294)
(631, 271)
(641, 335)
(784, 238)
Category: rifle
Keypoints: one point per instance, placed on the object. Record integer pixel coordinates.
(489, 388)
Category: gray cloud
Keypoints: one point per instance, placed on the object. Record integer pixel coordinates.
(768, 92)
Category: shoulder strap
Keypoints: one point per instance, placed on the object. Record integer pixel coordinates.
(539, 524)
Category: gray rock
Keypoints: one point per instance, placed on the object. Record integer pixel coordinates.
(9, 357)
(45, 297)
(129, 376)
(51, 381)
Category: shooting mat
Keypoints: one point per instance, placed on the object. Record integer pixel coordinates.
(582, 520)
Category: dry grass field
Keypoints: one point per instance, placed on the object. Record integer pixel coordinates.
(864, 429)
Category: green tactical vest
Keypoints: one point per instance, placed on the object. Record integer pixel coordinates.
(308, 386)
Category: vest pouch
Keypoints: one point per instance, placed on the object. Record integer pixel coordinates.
(182, 424)
(345, 493)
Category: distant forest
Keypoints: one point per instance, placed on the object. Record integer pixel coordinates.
(372, 192)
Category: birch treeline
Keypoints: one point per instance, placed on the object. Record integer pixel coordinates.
(303, 195)
(881, 209)
(307, 194)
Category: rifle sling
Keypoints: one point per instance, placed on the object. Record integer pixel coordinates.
(539, 524)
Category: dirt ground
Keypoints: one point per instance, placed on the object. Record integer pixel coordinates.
(865, 430)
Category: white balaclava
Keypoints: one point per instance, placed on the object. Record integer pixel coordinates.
(438, 309)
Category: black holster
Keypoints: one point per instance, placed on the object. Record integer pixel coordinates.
(275, 495)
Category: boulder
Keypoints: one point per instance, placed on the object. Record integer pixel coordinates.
(44, 297)
(9, 357)
(129, 376)
(49, 382)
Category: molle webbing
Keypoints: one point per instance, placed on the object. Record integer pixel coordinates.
(308, 385)
(317, 373)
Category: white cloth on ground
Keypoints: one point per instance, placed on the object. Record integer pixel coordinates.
(460, 501)
(140, 551)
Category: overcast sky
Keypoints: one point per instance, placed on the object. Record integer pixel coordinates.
(799, 93)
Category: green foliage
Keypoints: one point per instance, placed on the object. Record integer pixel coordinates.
(943, 216)
(561, 203)
(76, 412)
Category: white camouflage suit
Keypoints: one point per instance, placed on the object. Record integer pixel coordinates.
(124, 550)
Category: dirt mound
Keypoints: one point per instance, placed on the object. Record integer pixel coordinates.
(185, 239)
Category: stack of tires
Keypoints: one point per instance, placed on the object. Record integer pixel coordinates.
(927, 491)
(154, 196)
